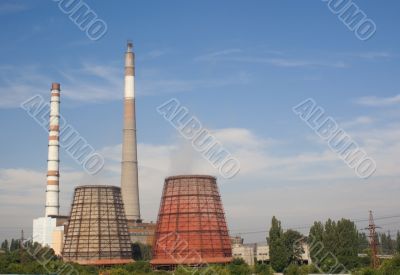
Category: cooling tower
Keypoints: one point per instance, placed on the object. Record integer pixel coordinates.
(191, 226)
(97, 233)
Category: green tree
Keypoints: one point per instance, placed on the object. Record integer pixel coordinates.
(347, 243)
(263, 269)
(383, 242)
(292, 269)
(391, 266)
(294, 245)
(141, 252)
(336, 242)
(363, 244)
(390, 244)
(278, 252)
(4, 245)
(316, 231)
(239, 266)
(398, 242)
(329, 237)
(315, 239)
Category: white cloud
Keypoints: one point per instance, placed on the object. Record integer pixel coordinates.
(9, 7)
(155, 82)
(358, 121)
(373, 55)
(375, 101)
(238, 55)
(153, 54)
(214, 55)
(298, 188)
(18, 84)
(95, 82)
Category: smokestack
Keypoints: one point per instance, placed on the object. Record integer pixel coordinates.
(129, 167)
(52, 189)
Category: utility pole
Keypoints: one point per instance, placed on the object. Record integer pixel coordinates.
(373, 243)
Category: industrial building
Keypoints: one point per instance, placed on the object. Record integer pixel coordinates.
(47, 231)
(245, 252)
(105, 221)
(141, 232)
(97, 232)
(191, 226)
(260, 252)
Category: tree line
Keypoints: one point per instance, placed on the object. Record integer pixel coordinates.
(334, 247)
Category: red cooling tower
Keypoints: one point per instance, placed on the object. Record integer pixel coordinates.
(191, 226)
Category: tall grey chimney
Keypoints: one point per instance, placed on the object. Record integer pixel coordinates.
(129, 166)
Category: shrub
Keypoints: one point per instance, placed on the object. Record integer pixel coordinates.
(292, 269)
(263, 269)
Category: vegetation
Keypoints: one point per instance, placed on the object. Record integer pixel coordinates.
(334, 248)
(388, 267)
(398, 242)
(263, 269)
(141, 252)
(278, 253)
(285, 247)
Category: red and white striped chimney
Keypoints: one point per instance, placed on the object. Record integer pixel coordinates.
(52, 189)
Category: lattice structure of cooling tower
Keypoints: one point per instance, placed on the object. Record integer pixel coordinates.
(97, 232)
(191, 226)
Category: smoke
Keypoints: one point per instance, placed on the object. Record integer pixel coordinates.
(184, 159)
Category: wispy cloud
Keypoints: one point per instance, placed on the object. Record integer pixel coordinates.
(98, 82)
(79, 43)
(358, 121)
(373, 55)
(155, 83)
(375, 101)
(238, 55)
(155, 53)
(19, 83)
(9, 7)
(87, 83)
(214, 55)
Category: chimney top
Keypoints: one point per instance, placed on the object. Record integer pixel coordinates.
(129, 46)
(55, 86)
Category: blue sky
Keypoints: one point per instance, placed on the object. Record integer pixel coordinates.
(239, 67)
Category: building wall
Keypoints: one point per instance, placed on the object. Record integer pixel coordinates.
(262, 253)
(43, 229)
(243, 252)
(142, 232)
(58, 240)
(306, 255)
(236, 240)
(49, 231)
